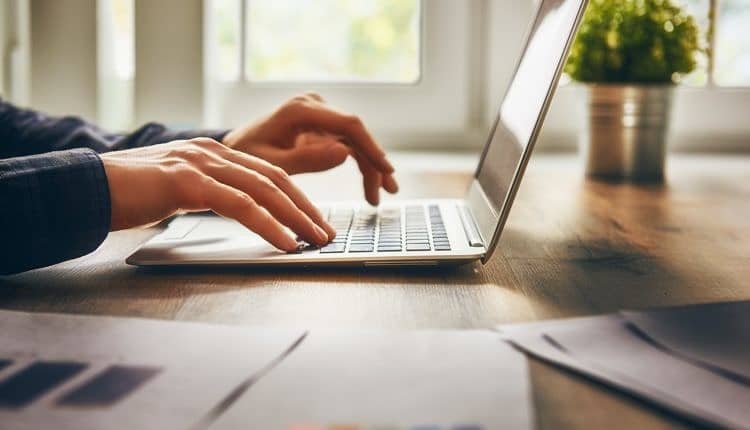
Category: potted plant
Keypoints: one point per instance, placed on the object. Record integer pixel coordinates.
(630, 54)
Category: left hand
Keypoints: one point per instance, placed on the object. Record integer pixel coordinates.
(307, 135)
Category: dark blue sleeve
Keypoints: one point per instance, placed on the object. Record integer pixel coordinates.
(55, 206)
(27, 132)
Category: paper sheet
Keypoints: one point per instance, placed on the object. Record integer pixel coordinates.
(81, 372)
(716, 335)
(604, 349)
(177, 371)
(374, 379)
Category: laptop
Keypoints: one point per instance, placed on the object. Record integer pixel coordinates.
(427, 232)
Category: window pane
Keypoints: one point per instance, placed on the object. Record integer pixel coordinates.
(333, 40)
(116, 38)
(699, 10)
(733, 44)
(115, 63)
(225, 46)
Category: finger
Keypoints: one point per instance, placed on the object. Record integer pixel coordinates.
(315, 115)
(265, 192)
(371, 179)
(232, 203)
(316, 153)
(390, 184)
(282, 181)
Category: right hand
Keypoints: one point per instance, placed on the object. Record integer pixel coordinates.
(149, 184)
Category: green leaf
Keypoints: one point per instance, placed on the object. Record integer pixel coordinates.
(634, 41)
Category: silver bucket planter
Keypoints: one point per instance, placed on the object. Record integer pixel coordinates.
(625, 135)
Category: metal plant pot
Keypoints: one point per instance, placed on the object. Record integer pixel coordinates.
(625, 137)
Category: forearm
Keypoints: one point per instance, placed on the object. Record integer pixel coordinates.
(26, 132)
(55, 207)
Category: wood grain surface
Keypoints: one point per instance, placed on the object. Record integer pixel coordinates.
(572, 247)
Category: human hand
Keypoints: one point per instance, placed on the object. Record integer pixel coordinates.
(307, 135)
(152, 183)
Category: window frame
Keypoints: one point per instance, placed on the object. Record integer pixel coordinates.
(441, 109)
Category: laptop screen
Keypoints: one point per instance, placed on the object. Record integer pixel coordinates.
(522, 111)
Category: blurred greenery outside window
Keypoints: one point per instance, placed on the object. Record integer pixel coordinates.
(334, 41)
(723, 26)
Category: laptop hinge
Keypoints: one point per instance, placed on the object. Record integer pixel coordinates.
(481, 212)
(472, 232)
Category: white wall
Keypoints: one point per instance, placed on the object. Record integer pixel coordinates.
(3, 45)
(14, 50)
(169, 61)
(63, 56)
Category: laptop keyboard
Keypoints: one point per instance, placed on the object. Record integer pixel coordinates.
(392, 229)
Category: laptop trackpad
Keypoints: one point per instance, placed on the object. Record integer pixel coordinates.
(206, 238)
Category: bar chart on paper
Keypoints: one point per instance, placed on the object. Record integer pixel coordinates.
(76, 372)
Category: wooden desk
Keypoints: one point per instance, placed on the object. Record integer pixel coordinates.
(572, 247)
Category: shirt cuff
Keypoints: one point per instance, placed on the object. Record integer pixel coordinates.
(155, 133)
(57, 207)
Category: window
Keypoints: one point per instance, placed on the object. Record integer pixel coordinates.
(283, 40)
(732, 44)
(115, 63)
(406, 65)
(358, 41)
(724, 23)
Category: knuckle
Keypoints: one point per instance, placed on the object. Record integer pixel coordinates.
(353, 121)
(296, 105)
(244, 202)
(278, 175)
(266, 185)
(313, 95)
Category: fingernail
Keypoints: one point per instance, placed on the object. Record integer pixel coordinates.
(390, 184)
(322, 235)
(290, 245)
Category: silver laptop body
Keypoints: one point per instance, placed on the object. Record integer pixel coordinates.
(409, 232)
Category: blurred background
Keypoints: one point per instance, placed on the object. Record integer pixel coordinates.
(423, 74)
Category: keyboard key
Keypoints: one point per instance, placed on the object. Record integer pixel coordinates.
(389, 249)
(333, 248)
(361, 248)
(418, 247)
